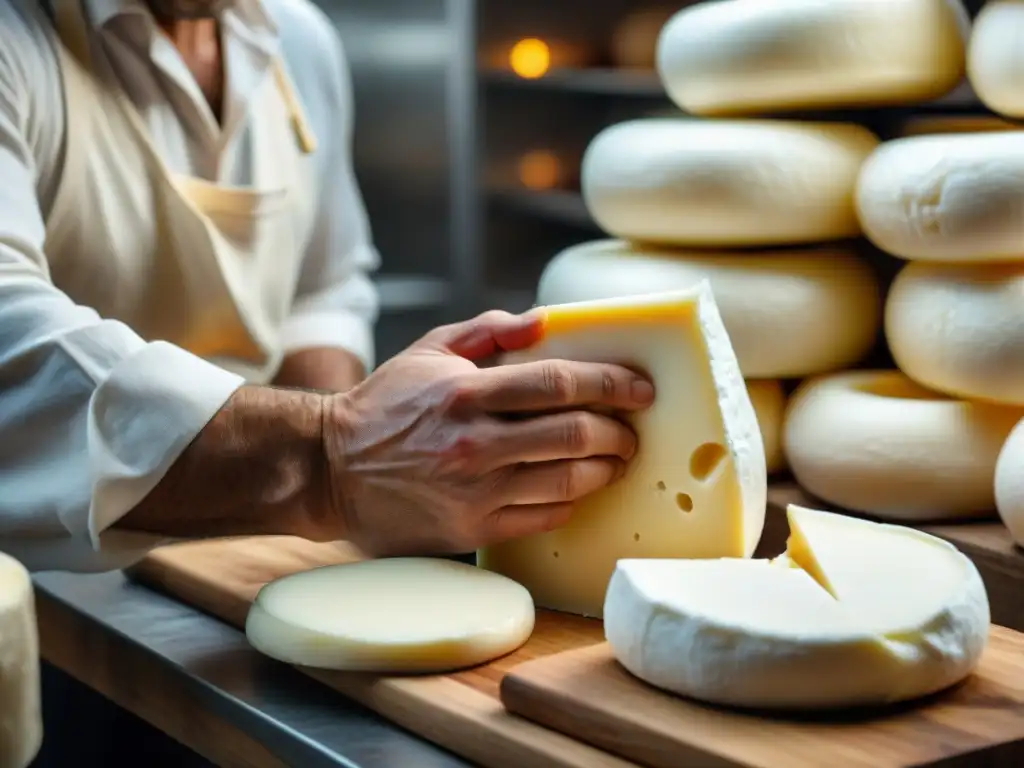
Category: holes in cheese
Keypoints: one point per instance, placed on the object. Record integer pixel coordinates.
(747, 56)
(876, 442)
(21, 719)
(658, 509)
(959, 328)
(953, 197)
(789, 314)
(400, 615)
(725, 183)
(855, 613)
(994, 64)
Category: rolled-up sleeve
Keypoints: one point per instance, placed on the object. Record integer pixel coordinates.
(336, 303)
(91, 416)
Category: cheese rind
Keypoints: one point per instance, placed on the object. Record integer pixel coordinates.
(21, 718)
(399, 615)
(739, 57)
(697, 485)
(994, 64)
(725, 183)
(907, 616)
(789, 314)
(1010, 483)
(959, 328)
(953, 197)
(876, 442)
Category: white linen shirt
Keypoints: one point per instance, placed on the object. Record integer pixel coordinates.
(91, 415)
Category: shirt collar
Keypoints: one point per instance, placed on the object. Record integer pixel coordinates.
(252, 14)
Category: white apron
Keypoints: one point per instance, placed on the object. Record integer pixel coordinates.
(209, 268)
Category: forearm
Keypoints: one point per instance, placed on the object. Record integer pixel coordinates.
(326, 369)
(258, 468)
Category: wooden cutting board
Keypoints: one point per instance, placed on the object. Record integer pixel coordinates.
(587, 694)
(999, 561)
(461, 712)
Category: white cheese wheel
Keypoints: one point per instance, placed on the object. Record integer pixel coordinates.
(1010, 483)
(959, 328)
(747, 56)
(399, 615)
(877, 443)
(857, 613)
(769, 401)
(994, 63)
(955, 197)
(726, 183)
(789, 314)
(21, 718)
(930, 125)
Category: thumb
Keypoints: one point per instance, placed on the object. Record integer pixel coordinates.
(488, 334)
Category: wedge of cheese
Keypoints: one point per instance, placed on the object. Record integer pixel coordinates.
(398, 615)
(697, 484)
(856, 613)
(21, 717)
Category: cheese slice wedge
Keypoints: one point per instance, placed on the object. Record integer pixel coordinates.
(21, 719)
(697, 484)
(855, 613)
(399, 615)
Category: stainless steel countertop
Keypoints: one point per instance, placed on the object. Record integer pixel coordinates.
(301, 722)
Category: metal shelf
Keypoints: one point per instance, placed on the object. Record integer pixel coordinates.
(599, 80)
(563, 206)
(400, 293)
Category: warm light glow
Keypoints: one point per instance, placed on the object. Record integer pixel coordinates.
(540, 169)
(530, 58)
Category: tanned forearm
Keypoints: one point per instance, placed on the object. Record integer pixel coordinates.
(257, 468)
(327, 369)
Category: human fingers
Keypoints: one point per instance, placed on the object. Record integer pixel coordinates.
(558, 385)
(486, 335)
(557, 436)
(556, 482)
(516, 521)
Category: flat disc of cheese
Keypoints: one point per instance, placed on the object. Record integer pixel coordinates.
(858, 613)
(749, 56)
(1010, 483)
(955, 197)
(960, 328)
(994, 62)
(789, 314)
(769, 401)
(726, 183)
(875, 442)
(697, 484)
(391, 616)
(21, 718)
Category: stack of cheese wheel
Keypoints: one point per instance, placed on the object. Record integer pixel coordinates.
(763, 209)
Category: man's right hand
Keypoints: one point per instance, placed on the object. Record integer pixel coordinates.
(434, 454)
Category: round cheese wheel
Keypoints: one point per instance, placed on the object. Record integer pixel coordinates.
(726, 183)
(959, 328)
(21, 715)
(1010, 483)
(955, 197)
(747, 56)
(397, 615)
(769, 401)
(878, 443)
(935, 124)
(789, 314)
(994, 63)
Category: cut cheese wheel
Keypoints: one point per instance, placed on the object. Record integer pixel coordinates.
(931, 125)
(956, 197)
(21, 717)
(769, 401)
(398, 615)
(789, 314)
(747, 56)
(1010, 483)
(697, 484)
(994, 63)
(876, 442)
(959, 328)
(859, 613)
(729, 183)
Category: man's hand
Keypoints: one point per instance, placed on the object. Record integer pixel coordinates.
(433, 454)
